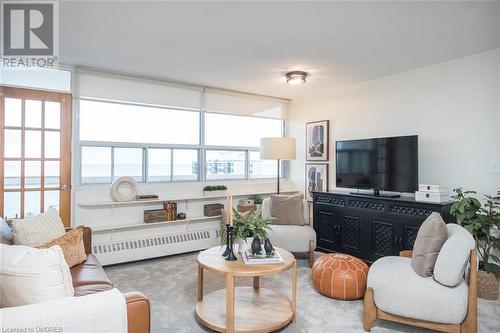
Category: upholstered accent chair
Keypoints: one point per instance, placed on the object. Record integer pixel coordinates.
(443, 302)
(294, 238)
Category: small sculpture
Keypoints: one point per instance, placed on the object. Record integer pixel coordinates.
(256, 248)
(268, 246)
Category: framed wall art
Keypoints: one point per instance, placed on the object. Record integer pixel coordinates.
(317, 140)
(316, 179)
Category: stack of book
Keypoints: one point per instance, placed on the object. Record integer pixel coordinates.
(171, 208)
(260, 259)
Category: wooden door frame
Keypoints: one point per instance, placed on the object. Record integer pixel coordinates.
(65, 99)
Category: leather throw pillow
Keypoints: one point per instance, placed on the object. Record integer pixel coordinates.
(430, 239)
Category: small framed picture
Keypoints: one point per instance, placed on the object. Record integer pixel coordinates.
(317, 141)
(316, 179)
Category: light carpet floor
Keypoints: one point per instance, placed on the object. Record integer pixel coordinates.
(170, 284)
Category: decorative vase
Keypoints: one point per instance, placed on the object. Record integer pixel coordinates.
(487, 285)
(268, 246)
(256, 248)
(244, 244)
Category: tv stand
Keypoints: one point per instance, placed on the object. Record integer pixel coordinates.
(376, 193)
(370, 227)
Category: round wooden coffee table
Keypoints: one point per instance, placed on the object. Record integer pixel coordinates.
(244, 309)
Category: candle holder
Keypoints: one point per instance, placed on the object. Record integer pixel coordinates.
(226, 251)
(230, 256)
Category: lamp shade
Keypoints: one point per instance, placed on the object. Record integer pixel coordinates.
(277, 149)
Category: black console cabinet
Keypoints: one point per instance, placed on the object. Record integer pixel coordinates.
(370, 227)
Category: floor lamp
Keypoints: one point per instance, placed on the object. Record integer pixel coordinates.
(277, 149)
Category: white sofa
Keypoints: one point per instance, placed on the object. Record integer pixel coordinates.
(444, 301)
(292, 237)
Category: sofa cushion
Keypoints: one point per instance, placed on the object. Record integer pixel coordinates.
(287, 209)
(430, 238)
(38, 230)
(29, 275)
(292, 237)
(72, 246)
(454, 256)
(89, 272)
(399, 290)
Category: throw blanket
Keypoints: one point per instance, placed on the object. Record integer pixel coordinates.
(101, 312)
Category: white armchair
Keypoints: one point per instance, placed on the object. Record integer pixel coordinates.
(293, 238)
(443, 302)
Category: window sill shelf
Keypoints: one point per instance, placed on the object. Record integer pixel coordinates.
(156, 224)
(112, 204)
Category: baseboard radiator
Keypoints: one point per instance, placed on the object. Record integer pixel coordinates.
(116, 250)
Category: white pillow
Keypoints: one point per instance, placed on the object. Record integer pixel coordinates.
(31, 275)
(39, 229)
(454, 256)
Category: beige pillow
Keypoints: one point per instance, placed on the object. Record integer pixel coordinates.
(287, 209)
(430, 239)
(38, 230)
(30, 275)
(72, 246)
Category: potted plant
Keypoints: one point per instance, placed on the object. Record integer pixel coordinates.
(257, 200)
(214, 190)
(483, 221)
(247, 225)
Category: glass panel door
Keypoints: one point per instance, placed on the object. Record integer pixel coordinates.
(35, 153)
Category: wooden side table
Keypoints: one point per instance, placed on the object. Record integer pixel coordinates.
(245, 309)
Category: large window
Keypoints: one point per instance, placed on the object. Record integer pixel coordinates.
(240, 131)
(101, 165)
(222, 164)
(262, 168)
(141, 137)
(116, 122)
(233, 133)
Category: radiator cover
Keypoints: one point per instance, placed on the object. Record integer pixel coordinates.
(120, 247)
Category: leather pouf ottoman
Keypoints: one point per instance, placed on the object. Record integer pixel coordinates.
(340, 276)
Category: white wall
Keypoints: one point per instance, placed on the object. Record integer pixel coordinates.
(454, 108)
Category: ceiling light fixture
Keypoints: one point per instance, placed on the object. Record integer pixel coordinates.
(296, 77)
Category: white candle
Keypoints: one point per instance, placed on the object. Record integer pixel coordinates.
(229, 204)
(230, 210)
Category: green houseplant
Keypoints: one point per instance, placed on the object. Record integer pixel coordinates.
(483, 221)
(213, 188)
(247, 225)
(257, 199)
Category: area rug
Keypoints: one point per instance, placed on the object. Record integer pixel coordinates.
(170, 284)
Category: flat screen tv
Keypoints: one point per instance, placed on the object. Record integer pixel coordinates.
(381, 164)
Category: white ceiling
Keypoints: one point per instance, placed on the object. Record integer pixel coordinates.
(248, 46)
